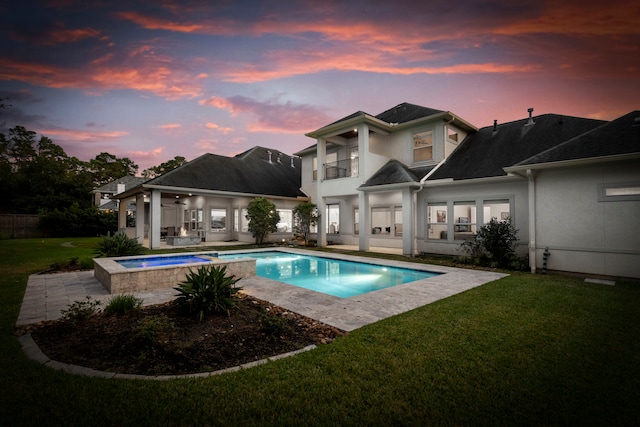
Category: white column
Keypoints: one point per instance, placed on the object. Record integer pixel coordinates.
(408, 221)
(363, 152)
(140, 218)
(364, 219)
(321, 154)
(155, 208)
(532, 220)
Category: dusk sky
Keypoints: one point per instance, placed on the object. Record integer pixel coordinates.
(151, 80)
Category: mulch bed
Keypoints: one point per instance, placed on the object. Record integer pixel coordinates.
(163, 340)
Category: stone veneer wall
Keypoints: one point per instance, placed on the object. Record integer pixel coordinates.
(118, 279)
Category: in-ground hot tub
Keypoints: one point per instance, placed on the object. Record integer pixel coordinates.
(140, 273)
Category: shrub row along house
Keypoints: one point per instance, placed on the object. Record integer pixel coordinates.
(424, 180)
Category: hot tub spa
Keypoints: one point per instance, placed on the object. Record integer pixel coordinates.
(140, 273)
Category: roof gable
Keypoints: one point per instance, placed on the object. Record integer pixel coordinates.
(487, 152)
(620, 136)
(250, 172)
(396, 172)
(406, 112)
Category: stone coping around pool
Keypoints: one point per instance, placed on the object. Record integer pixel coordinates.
(118, 279)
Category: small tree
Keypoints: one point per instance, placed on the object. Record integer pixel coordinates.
(305, 216)
(494, 244)
(263, 218)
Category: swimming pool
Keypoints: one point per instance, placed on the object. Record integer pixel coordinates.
(160, 261)
(335, 277)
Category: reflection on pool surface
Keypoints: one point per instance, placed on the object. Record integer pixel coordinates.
(331, 276)
(161, 261)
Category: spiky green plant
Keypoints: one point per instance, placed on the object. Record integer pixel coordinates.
(120, 304)
(208, 290)
(118, 244)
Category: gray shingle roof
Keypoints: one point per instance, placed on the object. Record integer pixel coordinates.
(486, 152)
(406, 112)
(249, 172)
(620, 136)
(128, 181)
(396, 172)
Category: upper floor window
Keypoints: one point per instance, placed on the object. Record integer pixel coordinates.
(423, 146)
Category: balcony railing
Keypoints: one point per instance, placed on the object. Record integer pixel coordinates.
(341, 169)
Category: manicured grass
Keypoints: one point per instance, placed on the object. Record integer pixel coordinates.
(533, 350)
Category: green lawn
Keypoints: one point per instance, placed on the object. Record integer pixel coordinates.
(533, 350)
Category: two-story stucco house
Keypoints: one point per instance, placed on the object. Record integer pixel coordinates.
(424, 180)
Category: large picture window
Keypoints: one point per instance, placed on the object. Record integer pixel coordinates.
(333, 219)
(464, 220)
(437, 221)
(498, 209)
(218, 219)
(286, 221)
(244, 221)
(380, 221)
(423, 146)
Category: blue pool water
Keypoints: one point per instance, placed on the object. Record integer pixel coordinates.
(161, 261)
(331, 276)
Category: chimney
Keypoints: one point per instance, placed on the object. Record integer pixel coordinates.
(292, 165)
(279, 156)
(269, 153)
(530, 121)
(120, 188)
(495, 125)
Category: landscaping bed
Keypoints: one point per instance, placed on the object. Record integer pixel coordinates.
(163, 340)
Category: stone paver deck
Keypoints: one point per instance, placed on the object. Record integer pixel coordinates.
(47, 294)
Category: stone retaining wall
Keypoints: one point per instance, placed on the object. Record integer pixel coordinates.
(118, 279)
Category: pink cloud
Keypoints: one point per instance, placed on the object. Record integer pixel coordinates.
(82, 135)
(171, 126)
(218, 128)
(272, 116)
(158, 78)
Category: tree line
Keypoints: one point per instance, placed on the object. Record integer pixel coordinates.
(38, 177)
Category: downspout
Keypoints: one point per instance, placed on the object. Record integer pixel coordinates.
(532, 220)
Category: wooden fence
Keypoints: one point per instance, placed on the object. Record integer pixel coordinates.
(18, 226)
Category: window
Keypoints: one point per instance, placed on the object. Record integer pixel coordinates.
(498, 209)
(464, 220)
(423, 146)
(437, 220)
(218, 219)
(236, 219)
(315, 168)
(333, 219)
(286, 220)
(200, 219)
(619, 192)
(397, 223)
(244, 220)
(356, 221)
(380, 221)
(353, 155)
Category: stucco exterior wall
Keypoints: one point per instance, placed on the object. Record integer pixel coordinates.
(583, 231)
(513, 189)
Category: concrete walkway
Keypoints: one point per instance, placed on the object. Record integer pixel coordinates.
(47, 294)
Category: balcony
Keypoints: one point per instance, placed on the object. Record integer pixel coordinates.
(341, 169)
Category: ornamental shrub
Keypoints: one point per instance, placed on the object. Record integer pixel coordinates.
(79, 311)
(118, 245)
(263, 218)
(494, 244)
(121, 304)
(208, 290)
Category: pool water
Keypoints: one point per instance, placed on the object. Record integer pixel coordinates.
(161, 261)
(339, 278)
